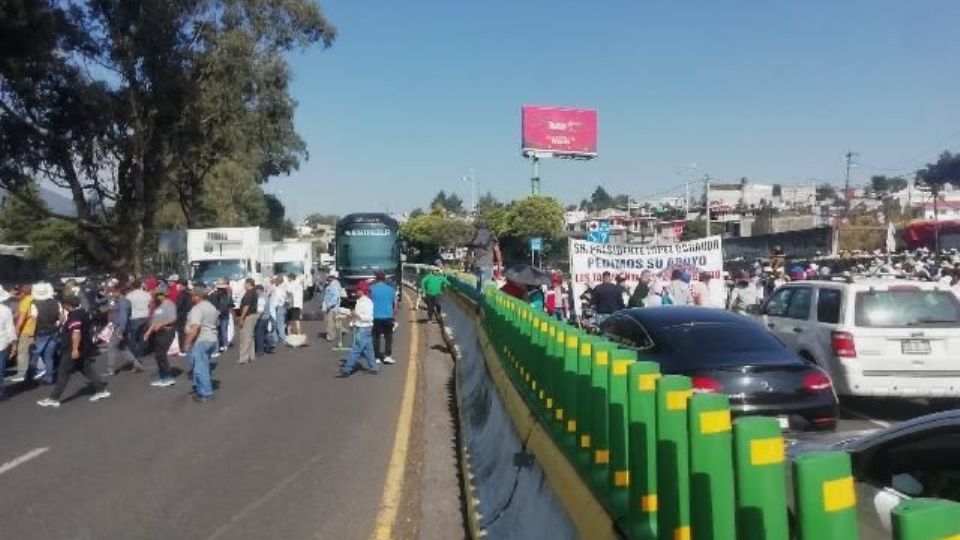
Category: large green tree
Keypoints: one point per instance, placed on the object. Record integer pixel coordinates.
(534, 216)
(128, 105)
(428, 233)
(53, 241)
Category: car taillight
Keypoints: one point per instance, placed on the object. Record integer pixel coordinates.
(705, 385)
(816, 382)
(843, 345)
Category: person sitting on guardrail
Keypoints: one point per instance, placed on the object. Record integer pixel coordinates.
(362, 335)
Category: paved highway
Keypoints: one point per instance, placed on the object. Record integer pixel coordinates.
(285, 451)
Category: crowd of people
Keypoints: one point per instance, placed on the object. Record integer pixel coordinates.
(739, 292)
(49, 336)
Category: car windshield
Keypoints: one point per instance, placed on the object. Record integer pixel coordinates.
(210, 271)
(907, 308)
(706, 340)
(289, 267)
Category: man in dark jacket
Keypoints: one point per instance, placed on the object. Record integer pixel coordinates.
(76, 352)
(223, 301)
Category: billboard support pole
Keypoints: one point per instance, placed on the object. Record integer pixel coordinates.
(535, 179)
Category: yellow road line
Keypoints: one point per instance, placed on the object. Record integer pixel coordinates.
(396, 469)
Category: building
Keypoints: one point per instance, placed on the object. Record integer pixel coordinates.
(798, 196)
(743, 193)
(946, 210)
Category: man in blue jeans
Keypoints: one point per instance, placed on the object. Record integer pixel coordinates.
(201, 342)
(363, 329)
(46, 341)
(384, 306)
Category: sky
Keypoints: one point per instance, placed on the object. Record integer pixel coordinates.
(414, 96)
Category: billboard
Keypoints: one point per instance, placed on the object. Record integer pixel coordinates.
(560, 131)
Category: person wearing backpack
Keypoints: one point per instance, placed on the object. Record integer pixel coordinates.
(484, 254)
(76, 352)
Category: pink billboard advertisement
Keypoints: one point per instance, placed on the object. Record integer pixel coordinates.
(559, 130)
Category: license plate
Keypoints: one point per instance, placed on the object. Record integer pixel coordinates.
(915, 346)
(784, 422)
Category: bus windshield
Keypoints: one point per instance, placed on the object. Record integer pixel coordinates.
(208, 272)
(367, 251)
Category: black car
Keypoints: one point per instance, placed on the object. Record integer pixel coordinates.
(916, 458)
(728, 353)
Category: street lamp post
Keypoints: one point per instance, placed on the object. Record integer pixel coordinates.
(471, 179)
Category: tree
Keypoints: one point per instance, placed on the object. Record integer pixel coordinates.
(621, 201)
(416, 212)
(826, 193)
(428, 233)
(454, 204)
(315, 220)
(488, 203)
(127, 105)
(600, 200)
(534, 216)
(439, 200)
(881, 186)
(53, 241)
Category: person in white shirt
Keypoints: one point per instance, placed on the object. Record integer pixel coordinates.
(8, 337)
(363, 334)
(278, 305)
(295, 312)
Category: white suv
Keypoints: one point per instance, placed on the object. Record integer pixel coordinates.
(876, 337)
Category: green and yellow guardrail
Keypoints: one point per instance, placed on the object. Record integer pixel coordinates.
(669, 464)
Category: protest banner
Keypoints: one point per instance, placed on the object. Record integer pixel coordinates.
(589, 260)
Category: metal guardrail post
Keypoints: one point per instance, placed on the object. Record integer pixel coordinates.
(825, 496)
(556, 381)
(759, 458)
(712, 503)
(673, 458)
(619, 477)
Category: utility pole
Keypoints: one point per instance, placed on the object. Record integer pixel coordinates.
(706, 185)
(535, 178)
(849, 156)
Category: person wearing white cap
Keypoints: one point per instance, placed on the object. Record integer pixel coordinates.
(332, 294)
(45, 339)
(8, 336)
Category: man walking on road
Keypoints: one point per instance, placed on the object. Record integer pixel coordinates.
(162, 331)
(433, 285)
(48, 324)
(118, 348)
(332, 294)
(278, 301)
(223, 301)
(139, 317)
(8, 337)
(295, 312)
(201, 342)
(362, 330)
(384, 298)
(248, 322)
(26, 326)
(76, 352)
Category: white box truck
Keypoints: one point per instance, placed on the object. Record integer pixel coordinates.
(234, 253)
(294, 257)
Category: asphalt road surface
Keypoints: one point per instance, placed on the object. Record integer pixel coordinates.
(286, 450)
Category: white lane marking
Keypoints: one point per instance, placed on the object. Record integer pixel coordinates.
(868, 418)
(36, 452)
